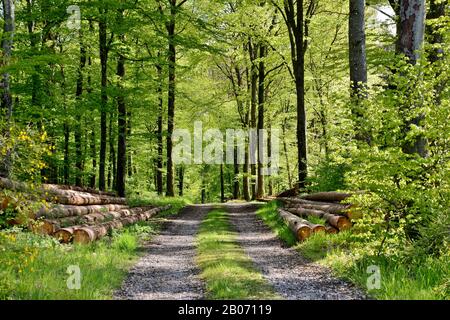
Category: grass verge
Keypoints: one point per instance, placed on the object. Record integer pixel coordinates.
(227, 270)
(408, 278)
(36, 267)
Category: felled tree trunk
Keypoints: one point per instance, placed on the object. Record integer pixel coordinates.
(80, 189)
(331, 196)
(300, 227)
(346, 210)
(53, 193)
(339, 222)
(51, 226)
(91, 233)
(64, 211)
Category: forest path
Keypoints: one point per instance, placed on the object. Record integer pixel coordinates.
(168, 270)
(292, 276)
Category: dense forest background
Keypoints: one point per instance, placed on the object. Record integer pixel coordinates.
(92, 90)
(94, 100)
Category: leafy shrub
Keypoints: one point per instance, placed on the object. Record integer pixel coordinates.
(328, 175)
(125, 242)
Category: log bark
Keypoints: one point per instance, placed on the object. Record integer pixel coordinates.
(91, 233)
(53, 193)
(331, 196)
(305, 212)
(72, 197)
(64, 211)
(331, 229)
(299, 227)
(79, 189)
(346, 210)
(339, 222)
(50, 226)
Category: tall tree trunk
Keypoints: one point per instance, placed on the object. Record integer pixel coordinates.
(358, 66)
(35, 78)
(299, 71)
(78, 131)
(357, 48)
(66, 129)
(269, 152)
(203, 191)
(121, 124)
(236, 175)
(104, 96)
(66, 165)
(112, 169)
(260, 125)
(93, 148)
(159, 160)
(286, 154)
(171, 97)
(245, 167)
(6, 102)
(412, 27)
(410, 40)
(253, 53)
(129, 152)
(180, 180)
(92, 136)
(295, 23)
(222, 185)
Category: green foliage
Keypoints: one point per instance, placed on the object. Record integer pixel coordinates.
(26, 147)
(125, 242)
(35, 267)
(149, 198)
(328, 176)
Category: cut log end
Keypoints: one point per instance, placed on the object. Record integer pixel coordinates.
(43, 227)
(303, 233)
(64, 235)
(343, 223)
(83, 235)
(318, 228)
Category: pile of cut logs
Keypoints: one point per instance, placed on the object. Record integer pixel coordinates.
(324, 205)
(81, 215)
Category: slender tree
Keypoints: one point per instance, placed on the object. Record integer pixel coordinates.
(159, 159)
(357, 48)
(6, 102)
(409, 43)
(103, 46)
(78, 129)
(358, 64)
(121, 119)
(298, 30)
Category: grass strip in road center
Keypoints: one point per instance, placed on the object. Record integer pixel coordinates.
(228, 272)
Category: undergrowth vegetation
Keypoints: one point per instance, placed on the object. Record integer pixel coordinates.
(354, 255)
(39, 267)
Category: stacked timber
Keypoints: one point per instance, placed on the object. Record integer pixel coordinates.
(78, 214)
(324, 205)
